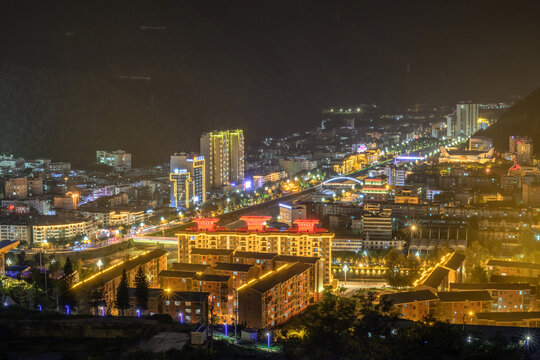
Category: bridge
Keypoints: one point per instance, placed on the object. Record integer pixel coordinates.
(342, 181)
(155, 240)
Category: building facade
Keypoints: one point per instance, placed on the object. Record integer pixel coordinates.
(118, 159)
(303, 240)
(224, 155)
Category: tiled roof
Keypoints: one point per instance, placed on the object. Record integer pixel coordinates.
(452, 296)
(490, 286)
(436, 277)
(409, 296)
(508, 316)
(267, 282)
(189, 267)
(254, 255)
(233, 267)
(115, 271)
(455, 261)
(514, 264)
(302, 259)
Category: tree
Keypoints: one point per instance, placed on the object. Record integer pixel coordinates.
(141, 290)
(395, 264)
(20, 258)
(478, 275)
(122, 295)
(68, 267)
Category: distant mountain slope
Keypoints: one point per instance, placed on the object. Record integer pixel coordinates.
(522, 119)
(68, 116)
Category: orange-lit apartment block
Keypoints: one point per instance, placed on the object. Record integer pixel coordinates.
(240, 273)
(211, 256)
(264, 261)
(220, 288)
(305, 239)
(275, 297)
(506, 297)
(413, 305)
(460, 306)
(152, 263)
(513, 268)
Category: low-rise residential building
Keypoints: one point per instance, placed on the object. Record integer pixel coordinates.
(459, 307)
(152, 263)
(211, 256)
(530, 319)
(265, 261)
(118, 159)
(413, 305)
(15, 231)
(275, 297)
(513, 268)
(23, 188)
(50, 228)
(240, 273)
(182, 306)
(219, 287)
(506, 296)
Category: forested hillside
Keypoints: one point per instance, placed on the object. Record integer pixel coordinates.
(522, 119)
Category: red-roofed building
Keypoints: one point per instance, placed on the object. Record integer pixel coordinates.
(304, 239)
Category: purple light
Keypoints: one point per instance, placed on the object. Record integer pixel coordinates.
(138, 313)
(181, 318)
(268, 336)
(410, 157)
(67, 309)
(40, 308)
(226, 330)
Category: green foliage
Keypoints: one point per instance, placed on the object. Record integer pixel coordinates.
(521, 119)
(478, 275)
(360, 328)
(68, 267)
(401, 271)
(122, 295)
(141, 290)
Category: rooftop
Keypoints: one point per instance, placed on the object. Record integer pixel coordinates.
(302, 259)
(508, 316)
(233, 267)
(410, 296)
(451, 296)
(116, 270)
(189, 267)
(194, 275)
(515, 264)
(455, 261)
(436, 277)
(491, 286)
(273, 278)
(254, 255)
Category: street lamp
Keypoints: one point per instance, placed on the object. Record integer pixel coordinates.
(268, 336)
(99, 264)
(345, 269)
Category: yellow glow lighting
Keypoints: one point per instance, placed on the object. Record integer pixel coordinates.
(105, 270)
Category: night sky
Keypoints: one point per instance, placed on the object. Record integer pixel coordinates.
(270, 67)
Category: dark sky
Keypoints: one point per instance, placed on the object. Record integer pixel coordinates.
(271, 66)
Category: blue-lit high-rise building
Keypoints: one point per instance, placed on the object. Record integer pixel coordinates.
(187, 175)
